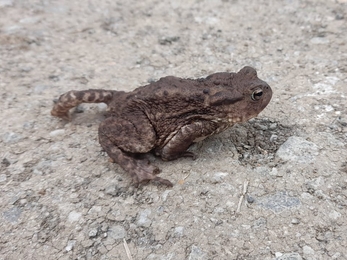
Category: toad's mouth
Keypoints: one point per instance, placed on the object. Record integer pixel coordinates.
(230, 120)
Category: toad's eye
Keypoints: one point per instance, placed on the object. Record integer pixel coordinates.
(256, 95)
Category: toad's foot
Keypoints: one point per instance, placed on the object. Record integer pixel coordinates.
(143, 171)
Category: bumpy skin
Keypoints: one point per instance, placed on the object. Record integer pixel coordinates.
(167, 116)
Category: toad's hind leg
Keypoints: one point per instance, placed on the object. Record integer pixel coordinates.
(123, 142)
(73, 98)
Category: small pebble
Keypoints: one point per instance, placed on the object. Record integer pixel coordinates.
(113, 190)
(319, 40)
(25, 69)
(196, 253)
(40, 88)
(298, 150)
(70, 245)
(79, 109)
(250, 199)
(273, 126)
(334, 215)
(273, 138)
(29, 20)
(278, 254)
(4, 3)
(5, 162)
(93, 233)
(279, 201)
(179, 231)
(10, 137)
(143, 219)
(56, 133)
(295, 221)
(102, 107)
(74, 216)
(54, 78)
(3, 177)
(260, 127)
(12, 215)
(104, 227)
(117, 232)
(219, 177)
(87, 243)
(308, 251)
(289, 256)
(165, 195)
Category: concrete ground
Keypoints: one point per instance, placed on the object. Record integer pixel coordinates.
(62, 199)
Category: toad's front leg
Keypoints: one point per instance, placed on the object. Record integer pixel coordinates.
(191, 133)
(123, 142)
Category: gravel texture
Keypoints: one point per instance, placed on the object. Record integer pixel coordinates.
(271, 188)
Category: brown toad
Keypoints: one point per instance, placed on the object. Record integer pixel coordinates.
(167, 116)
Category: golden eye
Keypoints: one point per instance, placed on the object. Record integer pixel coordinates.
(256, 95)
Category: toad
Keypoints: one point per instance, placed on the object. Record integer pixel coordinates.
(166, 117)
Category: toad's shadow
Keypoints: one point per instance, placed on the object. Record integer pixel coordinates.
(253, 142)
